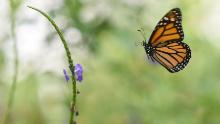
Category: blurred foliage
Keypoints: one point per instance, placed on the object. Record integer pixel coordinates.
(120, 86)
(16, 4)
(2, 59)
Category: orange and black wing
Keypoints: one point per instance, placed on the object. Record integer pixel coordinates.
(174, 56)
(169, 28)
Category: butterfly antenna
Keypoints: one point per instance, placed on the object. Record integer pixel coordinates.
(142, 33)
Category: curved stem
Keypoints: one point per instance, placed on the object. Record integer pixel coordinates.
(71, 66)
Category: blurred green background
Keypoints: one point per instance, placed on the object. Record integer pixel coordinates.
(120, 86)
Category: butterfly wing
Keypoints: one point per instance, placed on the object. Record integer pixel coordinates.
(174, 56)
(169, 28)
(166, 39)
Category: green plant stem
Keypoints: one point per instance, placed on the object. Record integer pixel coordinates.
(15, 51)
(71, 66)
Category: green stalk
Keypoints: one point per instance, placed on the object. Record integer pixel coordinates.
(15, 51)
(71, 66)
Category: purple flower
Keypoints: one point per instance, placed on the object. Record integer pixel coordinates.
(66, 75)
(78, 71)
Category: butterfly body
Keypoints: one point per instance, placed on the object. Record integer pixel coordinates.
(165, 45)
(148, 49)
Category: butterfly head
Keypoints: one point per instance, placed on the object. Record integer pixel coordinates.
(148, 48)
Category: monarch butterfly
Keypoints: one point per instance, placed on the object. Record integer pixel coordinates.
(165, 45)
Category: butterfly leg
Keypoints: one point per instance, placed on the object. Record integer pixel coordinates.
(151, 59)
